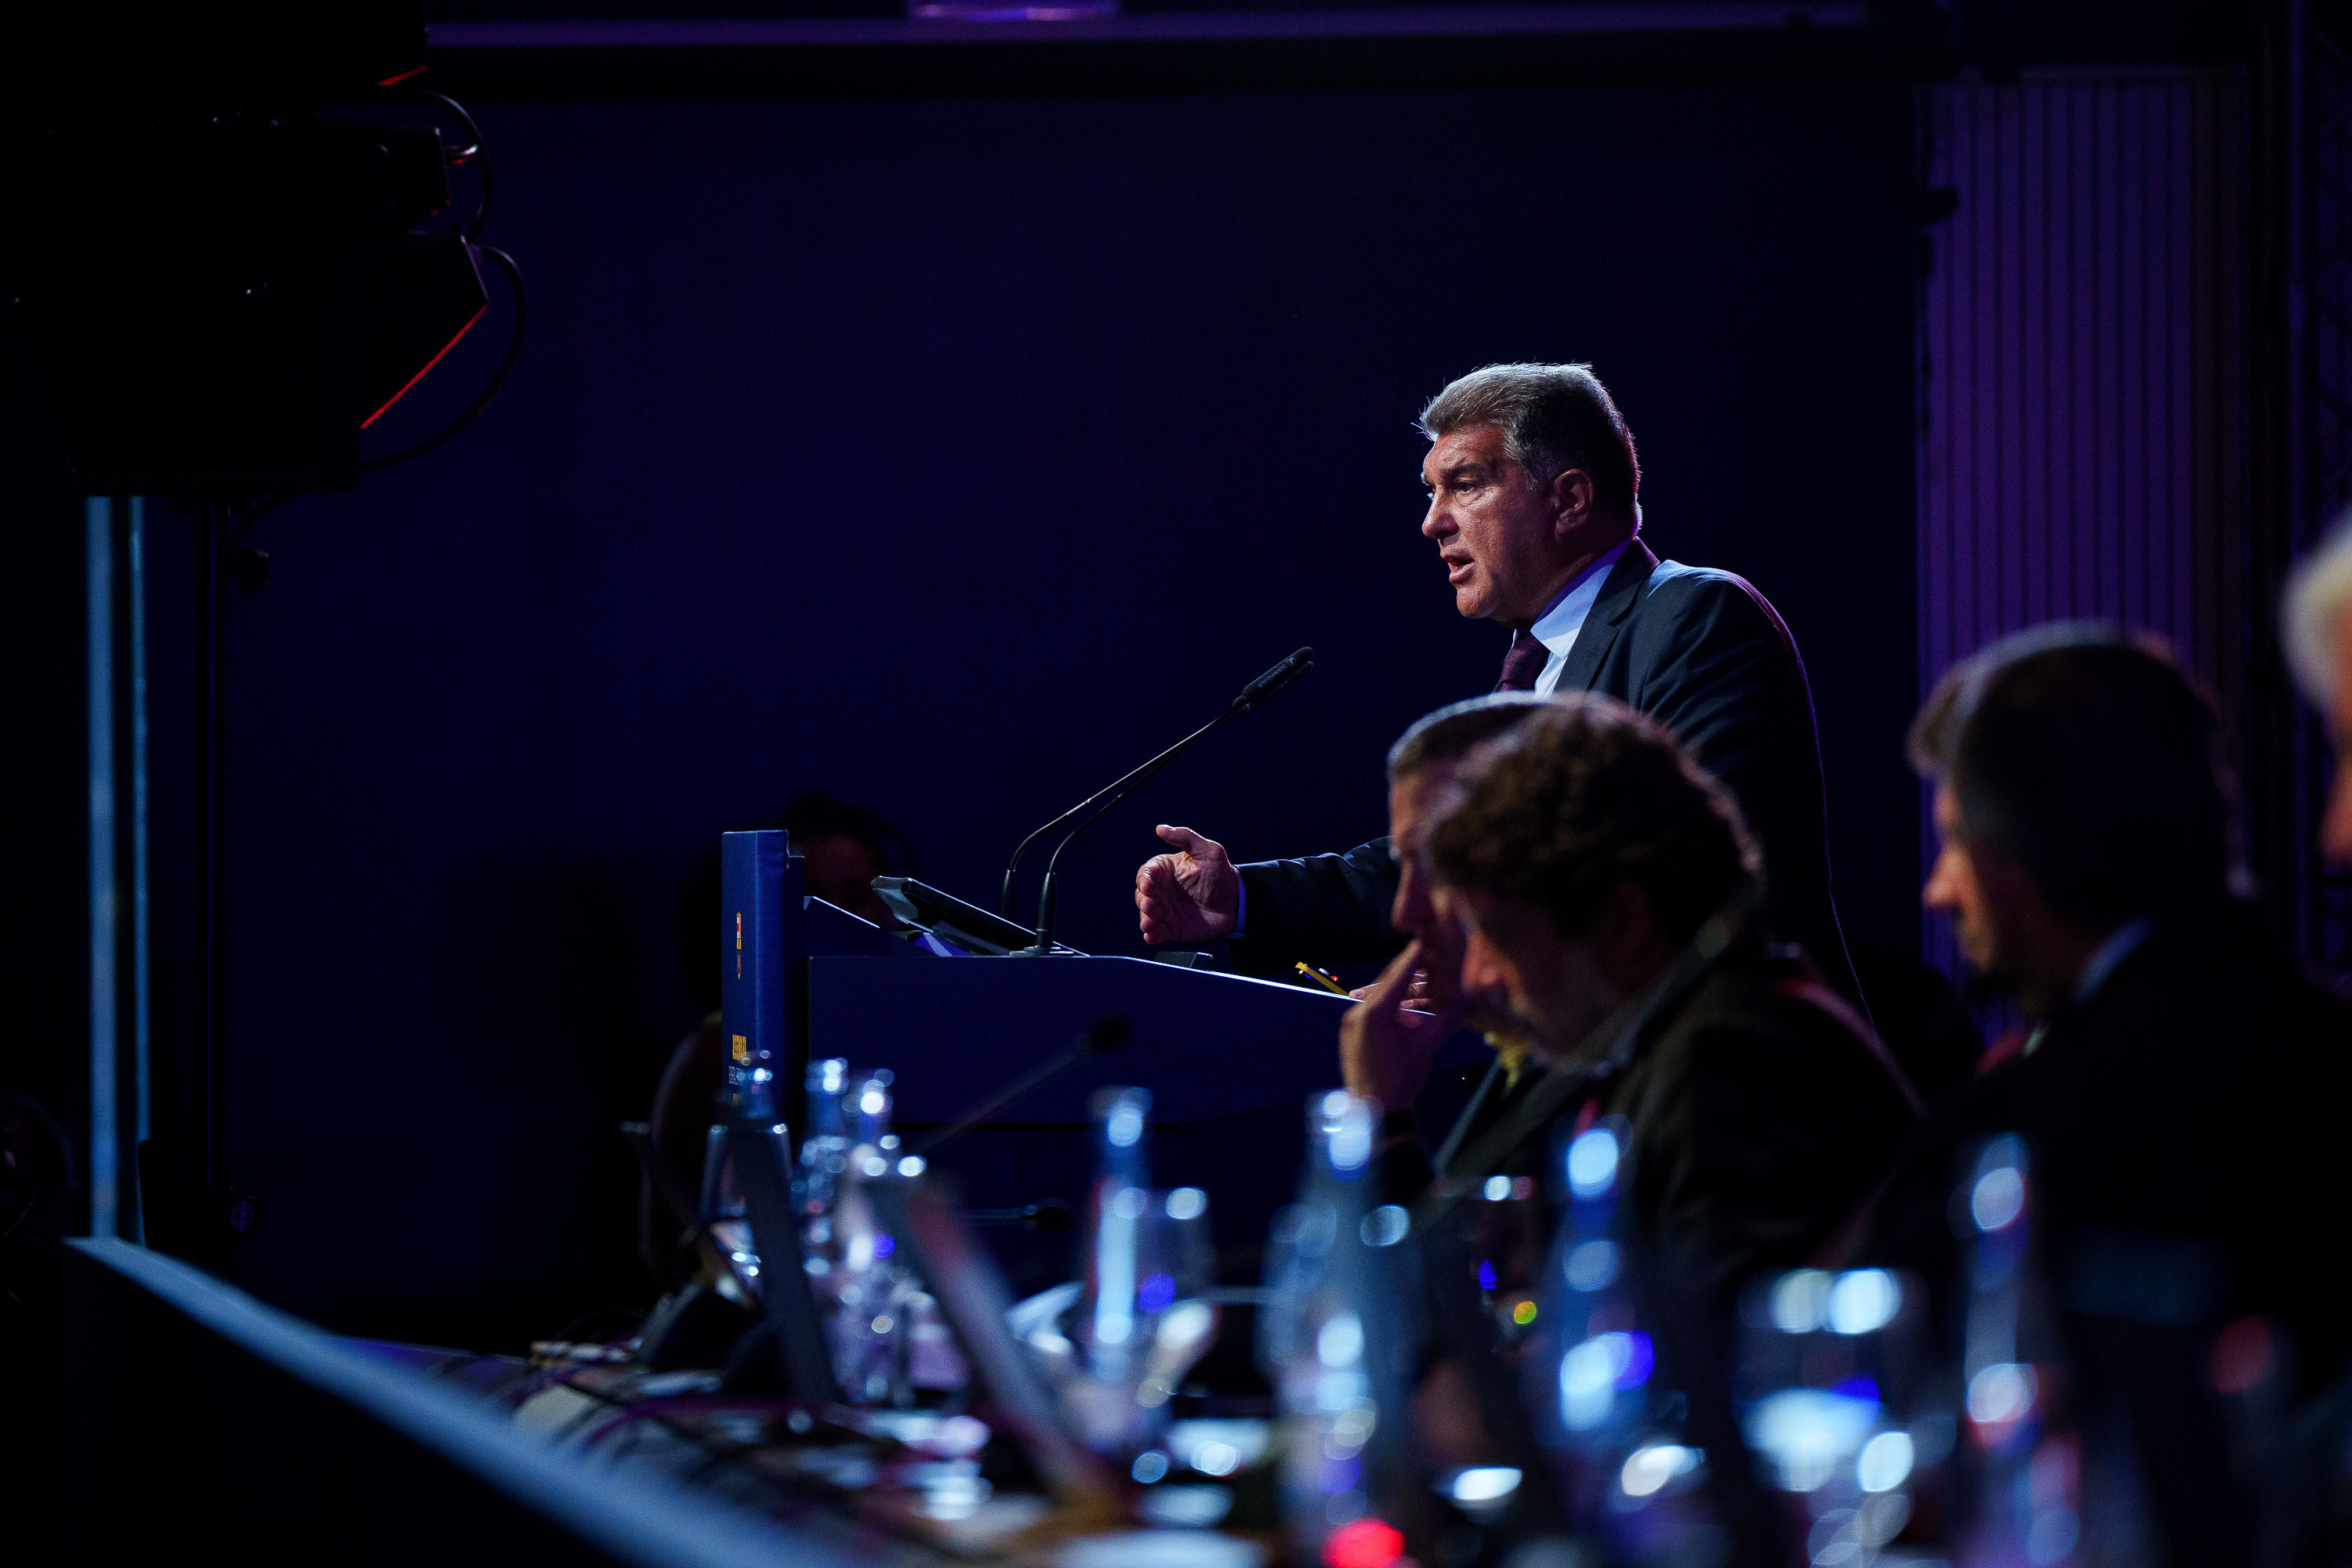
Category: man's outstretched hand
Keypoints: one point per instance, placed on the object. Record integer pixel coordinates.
(1193, 895)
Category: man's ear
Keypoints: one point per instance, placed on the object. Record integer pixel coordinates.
(1572, 500)
(2006, 887)
(1625, 937)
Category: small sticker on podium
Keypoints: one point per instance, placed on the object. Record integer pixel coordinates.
(742, 1049)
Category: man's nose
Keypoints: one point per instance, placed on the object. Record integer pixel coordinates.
(1937, 894)
(1435, 523)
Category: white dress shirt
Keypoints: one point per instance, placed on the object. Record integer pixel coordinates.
(2112, 951)
(1557, 628)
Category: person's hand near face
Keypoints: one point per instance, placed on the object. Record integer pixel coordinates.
(1386, 1043)
(1390, 1037)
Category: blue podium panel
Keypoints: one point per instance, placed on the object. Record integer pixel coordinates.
(763, 925)
(1206, 1044)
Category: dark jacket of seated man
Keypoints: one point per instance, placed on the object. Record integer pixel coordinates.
(2184, 1118)
(1704, 654)
(1761, 1114)
(1584, 855)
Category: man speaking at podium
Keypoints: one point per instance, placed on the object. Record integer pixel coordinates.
(1534, 507)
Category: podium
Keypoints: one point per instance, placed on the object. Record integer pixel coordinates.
(1207, 1045)
(1229, 1060)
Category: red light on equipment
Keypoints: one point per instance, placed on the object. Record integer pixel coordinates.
(1363, 1543)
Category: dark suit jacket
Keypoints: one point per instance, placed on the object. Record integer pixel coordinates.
(1760, 1120)
(1701, 651)
(2189, 1168)
(2185, 1126)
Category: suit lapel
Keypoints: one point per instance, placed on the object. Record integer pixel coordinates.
(1618, 597)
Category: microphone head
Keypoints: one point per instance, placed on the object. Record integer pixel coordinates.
(1281, 675)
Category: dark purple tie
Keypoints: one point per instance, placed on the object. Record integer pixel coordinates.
(1522, 663)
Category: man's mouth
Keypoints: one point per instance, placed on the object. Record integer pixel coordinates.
(1458, 568)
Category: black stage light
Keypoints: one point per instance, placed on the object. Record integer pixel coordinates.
(222, 287)
(423, 292)
(225, 279)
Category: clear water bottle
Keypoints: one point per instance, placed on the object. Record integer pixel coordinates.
(872, 1291)
(1625, 1470)
(1335, 1336)
(1108, 1336)
(2024, 1454)
(1591, 1359)
(1110, 1327)
(1117, 1354)
(1838, 1403)
(825, 1153)
(824, 1156)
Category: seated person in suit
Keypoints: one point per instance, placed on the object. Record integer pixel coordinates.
(1594, 885)
(2181, 1096)
(1533, 509)
(1390, 1062)
(1586, 860)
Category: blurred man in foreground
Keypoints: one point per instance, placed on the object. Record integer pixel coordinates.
(2182, 1095)
(2319, 646)
(1391, 1061)
(1586, 864)
(1584, 856)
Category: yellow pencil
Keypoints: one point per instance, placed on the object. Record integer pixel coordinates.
(1328, 982)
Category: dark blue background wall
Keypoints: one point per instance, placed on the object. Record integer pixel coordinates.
(953, 456)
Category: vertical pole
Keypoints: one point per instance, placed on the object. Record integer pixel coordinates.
(211, 616)
(98, 524)
(135, 605)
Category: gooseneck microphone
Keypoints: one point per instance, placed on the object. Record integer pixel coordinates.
(1281, 678)
(1256, 694)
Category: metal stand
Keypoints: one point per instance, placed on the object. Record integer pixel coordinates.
(212, 718)
(188, 1208)
(760, 1152)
